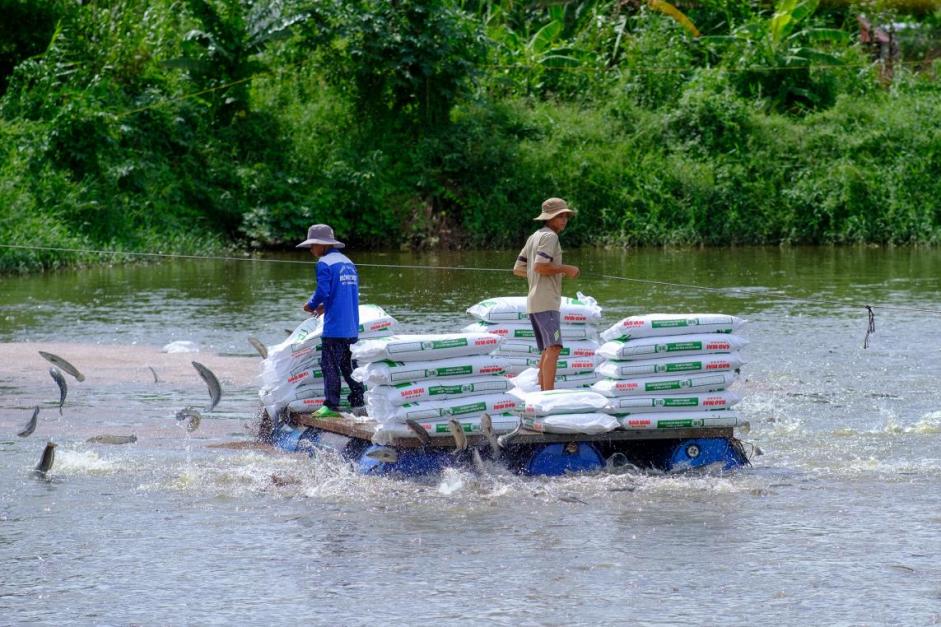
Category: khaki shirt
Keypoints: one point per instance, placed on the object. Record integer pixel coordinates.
(545, 291)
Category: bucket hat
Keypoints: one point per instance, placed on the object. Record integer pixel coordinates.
(320, 234)
(553, 207)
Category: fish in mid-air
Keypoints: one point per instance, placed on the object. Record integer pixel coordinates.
(417, 429)
(55, 360)
(112, 439)
(457, 432)
(384, 454)
(48, 457)
(194, 418)
(31, 425)
(504, 440)
(478, 462)
(486, 427)
(215, 390)
(56, 375)
(261, 348)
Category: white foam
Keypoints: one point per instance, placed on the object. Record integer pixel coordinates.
(70, 462)
(180, 346)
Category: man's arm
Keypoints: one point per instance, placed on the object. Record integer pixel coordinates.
(547, 269)
(519, 268)
(324, 283)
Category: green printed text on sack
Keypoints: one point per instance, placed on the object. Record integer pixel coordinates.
(678, 402)
(452, 343)
(675, 347)
(663, 385)
(467, 409)
(678, 424)
(667, 324)
(449, 372)
(681, 367)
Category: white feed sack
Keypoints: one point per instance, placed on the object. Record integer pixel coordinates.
(473, 406)
(672, 346)
(571, 365)
(653, 325)
(528, 348)
(705, 401)
(580, 310)
(302, 349)
(685, 420)
(528, 380)
(425, 347)
(437, 389)
(563, 402)
(524, 330)
(588, 423)
(393, 372)
(666, 384)
(721, 362)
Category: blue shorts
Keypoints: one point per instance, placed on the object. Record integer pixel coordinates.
(546, 326)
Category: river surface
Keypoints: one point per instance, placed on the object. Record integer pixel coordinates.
(838, 522)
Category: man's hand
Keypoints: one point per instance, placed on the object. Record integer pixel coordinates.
(571, 271)
(316, 312)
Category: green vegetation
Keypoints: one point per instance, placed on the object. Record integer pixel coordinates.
(203, 124)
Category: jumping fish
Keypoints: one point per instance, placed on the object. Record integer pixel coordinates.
(261, 348)
(384, 454)
(154, 372)
(112, 439)
(48, 457)
(417, 429)
(478, 462)
(486, 427)
(457, 432)
(63, 387)
(215, 391)
(194, 418)
(504, 440)
(31, 426)
(63, 364)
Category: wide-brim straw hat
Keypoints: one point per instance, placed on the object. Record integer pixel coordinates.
(553, 207)
(320, 234)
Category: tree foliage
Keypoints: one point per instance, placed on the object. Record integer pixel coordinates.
(194, 124)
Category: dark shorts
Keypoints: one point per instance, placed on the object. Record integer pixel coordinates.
(546, 326)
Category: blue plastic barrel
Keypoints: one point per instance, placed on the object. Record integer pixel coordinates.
(699, 452)
(412, 462)
(295, 439)
(558, 459)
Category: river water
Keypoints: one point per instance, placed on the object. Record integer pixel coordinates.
(839, 521)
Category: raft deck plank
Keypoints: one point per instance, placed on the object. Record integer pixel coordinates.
(364, 430)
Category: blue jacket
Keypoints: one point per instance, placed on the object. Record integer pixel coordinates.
(338, 292)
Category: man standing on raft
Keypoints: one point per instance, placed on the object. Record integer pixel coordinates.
(337, 300)
(540, 262)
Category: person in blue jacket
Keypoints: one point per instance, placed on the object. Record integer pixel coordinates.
(337, 300)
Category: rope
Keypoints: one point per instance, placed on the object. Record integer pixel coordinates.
(869, 308)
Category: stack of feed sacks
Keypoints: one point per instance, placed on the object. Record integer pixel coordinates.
(506, 316)
(291, 375)
(671, 370)
(432, 379)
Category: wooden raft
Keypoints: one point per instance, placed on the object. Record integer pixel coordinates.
(359, 429)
